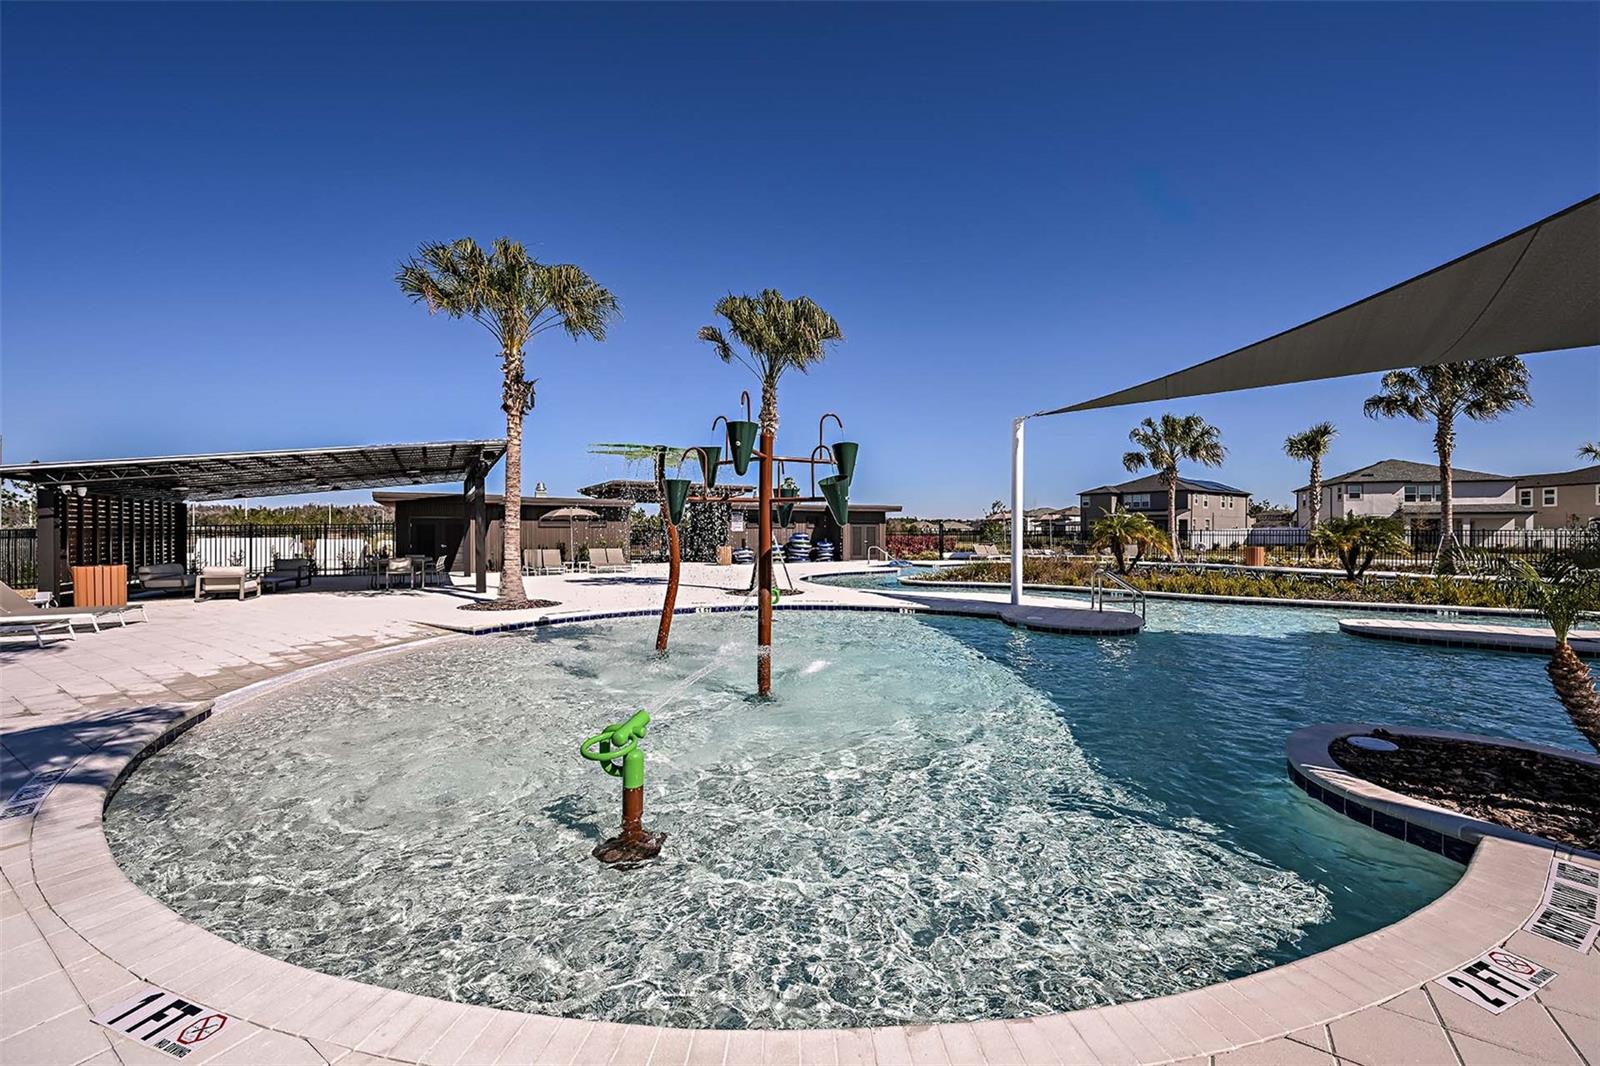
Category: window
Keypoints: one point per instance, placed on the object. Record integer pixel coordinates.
(1550, 497)
(1135, 501)
(1422, 493)
(1205, 501)
(1524, 497)
(1353, 491)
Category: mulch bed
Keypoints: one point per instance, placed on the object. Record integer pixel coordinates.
(1524, 790)
(496, 605)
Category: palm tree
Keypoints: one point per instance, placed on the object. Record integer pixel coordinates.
(516, 298)
(777, 335)
(1589, 451)
(1119, 529)
(1357, 539)
(1165, 444)
(1481, 390)
(1310, 446)
(1563, 593)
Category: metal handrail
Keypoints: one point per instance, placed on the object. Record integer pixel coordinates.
(881, 551)
(1120, 588)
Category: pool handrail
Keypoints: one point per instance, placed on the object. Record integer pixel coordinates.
(1119, 588)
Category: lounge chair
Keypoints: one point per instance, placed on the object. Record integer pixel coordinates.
(550, 561)
(214, 579)
(36, 630)
(165, 577)
(609, 559)
(287, 572)
(17, 611)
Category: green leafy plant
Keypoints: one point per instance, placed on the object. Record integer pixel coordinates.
(1357, 539)
(1163, 445)
(516, 298)
(1564, 593)
(1117, 531)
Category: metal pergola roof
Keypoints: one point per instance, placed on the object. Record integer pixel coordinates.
(237, 475)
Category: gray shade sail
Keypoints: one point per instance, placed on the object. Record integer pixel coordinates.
(1537, 290)
(237, 475)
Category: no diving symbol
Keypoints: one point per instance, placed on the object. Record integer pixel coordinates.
(1512, 963)
(200, 1030)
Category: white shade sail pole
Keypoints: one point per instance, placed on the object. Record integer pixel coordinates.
(1018, 520)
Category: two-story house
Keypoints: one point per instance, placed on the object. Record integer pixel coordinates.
(1569, 498)
(1410, 491)
(1202, 505)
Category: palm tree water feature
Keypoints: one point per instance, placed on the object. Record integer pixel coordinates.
(867, 850)
(768, 335)
(516, 298)
(616, 749)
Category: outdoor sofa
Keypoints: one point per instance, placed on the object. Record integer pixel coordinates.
(287, 572)
(225, 579)
(164, 577)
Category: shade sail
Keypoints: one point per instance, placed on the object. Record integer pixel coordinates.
(237, 475)
(1537, 290)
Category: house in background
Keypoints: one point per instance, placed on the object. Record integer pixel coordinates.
(1410, 491)
(1062, 522)
(1202, 505)
(1569, 498)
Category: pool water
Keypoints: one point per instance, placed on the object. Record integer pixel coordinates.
(936, 819)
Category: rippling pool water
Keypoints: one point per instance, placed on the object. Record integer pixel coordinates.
(938, 818)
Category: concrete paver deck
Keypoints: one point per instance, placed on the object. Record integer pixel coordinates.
(76, 936)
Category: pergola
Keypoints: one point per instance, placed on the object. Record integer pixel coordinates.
(1535, 290)
(133, 511)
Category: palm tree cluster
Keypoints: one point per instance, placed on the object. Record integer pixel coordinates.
(1355, 540)
(1118, 531)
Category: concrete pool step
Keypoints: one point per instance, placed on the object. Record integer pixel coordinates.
(1467, 635)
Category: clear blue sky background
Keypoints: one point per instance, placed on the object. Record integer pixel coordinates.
(1005, 207)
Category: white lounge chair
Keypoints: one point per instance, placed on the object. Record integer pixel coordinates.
(16, 610)
(215, 579)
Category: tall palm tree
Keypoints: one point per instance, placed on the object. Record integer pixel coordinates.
(1310, 446)
(516, 298)
(1589, 451)
(1563, 593)
(1481, 390)
(777, 335)
(1163, 445)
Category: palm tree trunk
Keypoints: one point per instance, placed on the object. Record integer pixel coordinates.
(1316, 499)
(1444, 442)
(1575, 688)
(673, 564)
(1172, 517)
(511, 591)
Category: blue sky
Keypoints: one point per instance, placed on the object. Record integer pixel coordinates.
(1006, 208)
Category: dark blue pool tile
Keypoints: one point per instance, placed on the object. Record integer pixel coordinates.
(1388, 823)
(1425, 838)
(1360, 812)
(1333, 799)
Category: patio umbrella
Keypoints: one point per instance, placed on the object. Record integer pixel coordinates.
(573, 515)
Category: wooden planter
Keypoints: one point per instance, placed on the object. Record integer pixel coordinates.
(100, 586)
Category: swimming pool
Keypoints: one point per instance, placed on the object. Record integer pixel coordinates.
(938, 818)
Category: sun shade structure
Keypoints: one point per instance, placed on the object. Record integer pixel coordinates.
(1535, 290)
(242, 475)
(133, 512)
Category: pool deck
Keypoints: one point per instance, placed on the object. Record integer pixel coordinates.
(1466, 635)
(76, 936)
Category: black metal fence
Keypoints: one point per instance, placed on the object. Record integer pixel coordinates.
(332, 547)
(1480, 547)
(19, 557)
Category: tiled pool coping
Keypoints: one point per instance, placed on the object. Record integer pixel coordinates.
(78, 893)
(1458, 635)
(1428, 826)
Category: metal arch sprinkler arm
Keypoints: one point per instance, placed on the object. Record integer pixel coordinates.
(813, 460)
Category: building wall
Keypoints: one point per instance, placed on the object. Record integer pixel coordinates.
(1574, 505)
(1384, 498)
(867, 529)
(447, 517)
(1200, 511)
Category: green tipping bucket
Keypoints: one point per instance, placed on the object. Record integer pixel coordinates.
(710, 455)
(844, 457)
(741, 442)
(783, 512)
(836, 490)
(677, 496)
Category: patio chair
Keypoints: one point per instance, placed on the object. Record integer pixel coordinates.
(164, 577)
(550, 561)
(215, 579)
(438, 566)
(532, 560)
(16, 610)
(403, 568)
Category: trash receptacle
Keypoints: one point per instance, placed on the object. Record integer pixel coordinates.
(1255, 555)
(100, 586)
